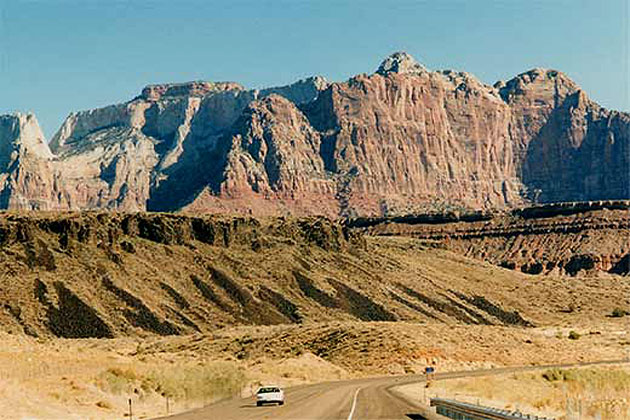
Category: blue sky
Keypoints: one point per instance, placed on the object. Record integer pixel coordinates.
(59, 56)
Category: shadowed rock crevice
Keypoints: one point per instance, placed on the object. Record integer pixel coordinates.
(72, 317)
(622, 267)
(181, 302)
(183, 319)
(282, 304)
(580, 262)
(307, 286)
(443, 307)
(346, 299)
(237, 293)
(251, 309)
(181, 185)
(413, 306)
(207, 292)
(139, 315)
(360, 305)
(479, 319)
(40, 291)
(508, 318)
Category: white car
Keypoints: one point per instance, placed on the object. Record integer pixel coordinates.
(269, 395)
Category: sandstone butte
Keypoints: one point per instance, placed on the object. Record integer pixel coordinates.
(401, 140)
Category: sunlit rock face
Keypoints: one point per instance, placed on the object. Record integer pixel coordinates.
(29, 177)
(403, 139)
(402, 63)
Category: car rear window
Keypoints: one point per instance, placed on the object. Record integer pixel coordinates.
(268, 389)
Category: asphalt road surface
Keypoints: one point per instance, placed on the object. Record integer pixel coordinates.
(374, 398)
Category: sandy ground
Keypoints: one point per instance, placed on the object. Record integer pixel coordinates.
(63, 379)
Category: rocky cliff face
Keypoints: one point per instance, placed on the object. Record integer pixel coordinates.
(582, 238)
(28, 175)
(402, 140)
(569, 148)
(272, 165)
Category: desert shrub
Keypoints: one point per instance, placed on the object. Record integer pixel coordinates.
(574, 335)
(553, 375)
(618, 313)
(104, 404)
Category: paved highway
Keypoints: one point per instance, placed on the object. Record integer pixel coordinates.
(374, 398)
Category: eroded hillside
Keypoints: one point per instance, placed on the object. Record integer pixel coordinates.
(108, 274)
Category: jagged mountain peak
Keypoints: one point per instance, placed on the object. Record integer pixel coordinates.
(400, 62)
(541, 75)
(538, 82)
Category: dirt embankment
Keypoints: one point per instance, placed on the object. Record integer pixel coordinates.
(555, 239)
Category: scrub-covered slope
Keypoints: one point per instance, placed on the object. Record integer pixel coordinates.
(109, 274)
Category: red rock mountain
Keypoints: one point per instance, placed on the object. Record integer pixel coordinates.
(401, 140)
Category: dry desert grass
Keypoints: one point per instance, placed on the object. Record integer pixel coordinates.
(579, 393)
(93, 378)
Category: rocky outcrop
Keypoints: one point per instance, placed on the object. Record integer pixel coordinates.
(563, 239)
(141, 155)
(404, 140)
(300, 92)
(400, 62)
(29, 178)
(407, 142)
(273, 165)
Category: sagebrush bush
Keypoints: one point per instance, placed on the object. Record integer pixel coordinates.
(574, 335)
(197, 382)
(554, 375)
(618, 313)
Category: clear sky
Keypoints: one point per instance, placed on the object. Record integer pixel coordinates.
(59, 56)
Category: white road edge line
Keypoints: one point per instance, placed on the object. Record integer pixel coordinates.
(354, 404)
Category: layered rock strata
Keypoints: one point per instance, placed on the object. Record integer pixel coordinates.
(566, 239)
(401, 140)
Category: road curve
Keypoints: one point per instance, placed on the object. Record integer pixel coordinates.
(372, 398)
